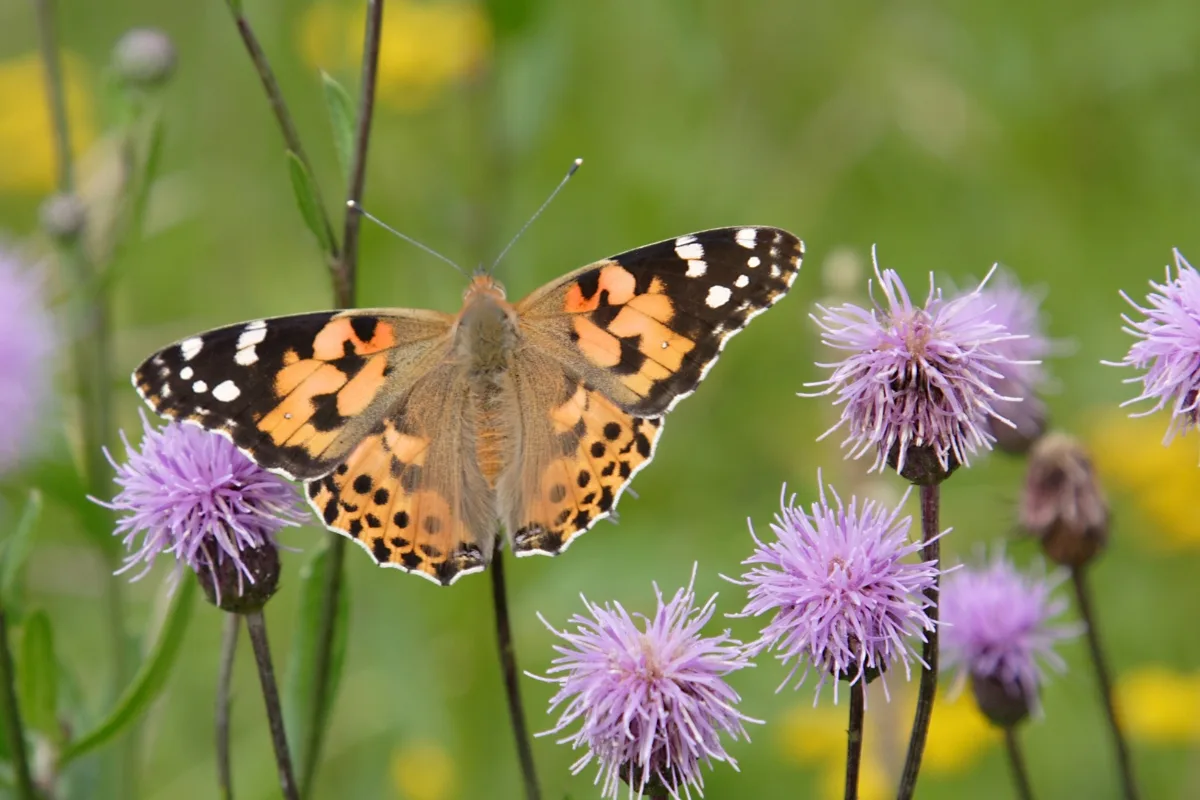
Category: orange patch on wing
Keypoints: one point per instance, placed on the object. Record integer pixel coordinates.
(330, 343)
(601, 347)
(294, 374)
(566, 415)
(312, 440)
(364, 387)
(407, 448)
(283, 421)
(614, 279)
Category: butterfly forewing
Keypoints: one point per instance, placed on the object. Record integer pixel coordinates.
(646, 326)
(296, 393)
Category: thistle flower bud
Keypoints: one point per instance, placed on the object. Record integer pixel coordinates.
(144, 57)
(1004, 706)
(1062, 503)
(241, 588)
(63, 217)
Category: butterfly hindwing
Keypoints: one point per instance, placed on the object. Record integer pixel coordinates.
(411, 492)
(597, 449)
(296, 393)
(645, 326)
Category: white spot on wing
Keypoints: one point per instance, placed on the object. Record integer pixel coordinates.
(717, 296)
(753, 261)
(775, 271)
(246, 356)
(697, 268)
(186, 374)
(689, 251)
(741, 282)
(199, 387)
(747, 237)
(226, 391)
(190, 348)
(252, 335)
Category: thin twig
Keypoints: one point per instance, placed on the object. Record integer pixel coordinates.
(92, 353)
(1017, 761)
(233, 626)
(287, 126)
(52, 67)
(12, 718)
(1084, 598)
(931, 550)
(345, 273)
(854, 736)
(347, 265)
(512, 688)
(256, 626)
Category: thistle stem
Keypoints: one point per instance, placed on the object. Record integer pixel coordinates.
(1016, 760)
(12, 718)
(52, 68)
(279, 107)
(854, 737)
(256, 626)
(344, 271)
(347, 266)
(512, 688)
(1083, 598)
(931, 550)
(92, 353)
(233, 626)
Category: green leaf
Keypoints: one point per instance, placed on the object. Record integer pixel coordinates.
(16, 549)
(341, 117)
(37, 676)
(309, 201)
(299, 681)
(150, 677)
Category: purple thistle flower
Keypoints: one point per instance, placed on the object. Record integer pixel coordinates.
(194, 495)
(845, 601)
(914, 376)
(651, 699)
(27, 343)
(1168, 348)
(996, 627)
(1021, 374)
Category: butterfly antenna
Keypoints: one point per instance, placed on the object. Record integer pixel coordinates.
(355, 207)
(575, 165)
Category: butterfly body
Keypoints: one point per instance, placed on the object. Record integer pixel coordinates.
(421, 434)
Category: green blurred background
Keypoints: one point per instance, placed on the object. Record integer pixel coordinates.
(1059, 139)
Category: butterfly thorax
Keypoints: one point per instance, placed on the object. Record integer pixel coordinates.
(485, 333)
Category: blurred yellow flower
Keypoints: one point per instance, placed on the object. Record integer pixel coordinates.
(424, 47)
(1162, 480)
(26, 134)
(422, 771)
(1159, 705)
(958, 735)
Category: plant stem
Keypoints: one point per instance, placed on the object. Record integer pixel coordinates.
(12, 717)
(854, 736)
(1084, 598)
(233, 626)
(52, 67)
(287, 126)
(92, 345)
(344, 271)
(347, 266)
(256, 626)
(512, 688)
(1017, 761)
(931, 550)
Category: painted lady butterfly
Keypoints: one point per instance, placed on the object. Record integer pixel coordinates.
(421, 434)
